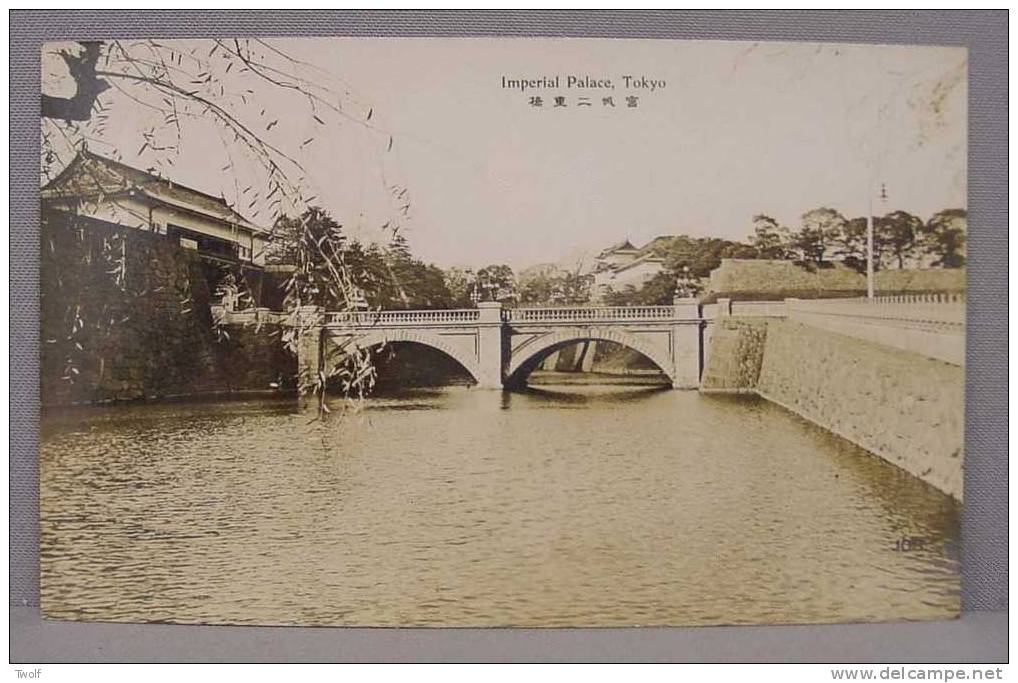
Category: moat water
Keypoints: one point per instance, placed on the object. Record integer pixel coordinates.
(561, 506)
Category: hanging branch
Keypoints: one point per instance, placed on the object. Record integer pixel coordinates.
(173, 83)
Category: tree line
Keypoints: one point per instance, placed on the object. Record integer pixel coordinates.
(900, 239)
(375, 276)
(390, 277)
(823, 237)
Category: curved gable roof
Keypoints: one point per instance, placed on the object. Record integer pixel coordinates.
(93, 175)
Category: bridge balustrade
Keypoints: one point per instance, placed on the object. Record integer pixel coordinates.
(421, 317)
(941, 312)
(588, 314)
(929, 324)
(248, 316)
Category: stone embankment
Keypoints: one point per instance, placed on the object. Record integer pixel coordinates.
(126, 315)
(899, 405)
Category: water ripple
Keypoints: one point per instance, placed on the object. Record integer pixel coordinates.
(557, 507)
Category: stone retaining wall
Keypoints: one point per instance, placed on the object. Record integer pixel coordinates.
(125, 315)
(901, 406)
(735, 355)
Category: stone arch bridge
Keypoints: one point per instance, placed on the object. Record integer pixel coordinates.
(500, 346)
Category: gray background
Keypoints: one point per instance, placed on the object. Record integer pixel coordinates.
(980, 635)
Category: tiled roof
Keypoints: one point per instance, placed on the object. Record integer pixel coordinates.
(659, 243)
(624, 245)
(649, 258)
(91, 175)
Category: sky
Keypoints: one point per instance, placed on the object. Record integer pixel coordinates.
(429, 139)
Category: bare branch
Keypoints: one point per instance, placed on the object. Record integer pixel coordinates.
(82, 68)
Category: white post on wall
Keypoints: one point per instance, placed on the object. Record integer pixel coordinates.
(724, 307)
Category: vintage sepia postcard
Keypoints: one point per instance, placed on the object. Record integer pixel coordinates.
(501, 332)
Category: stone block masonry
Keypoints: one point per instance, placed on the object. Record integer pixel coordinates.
(908, 409)
(126, 316)
(898, 405)
(736, 354)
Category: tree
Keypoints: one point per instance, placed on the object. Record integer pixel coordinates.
(554, 285)
(701, 255)
(386, 278)
(850, 244)
(818, 234)
(427, 289)
(459, 282)
(710, 251)
(898, 232)
(769, 237)
(315, 224)
(497, 282)
(537, 289)
(571, 288)
(943, 237)
(659, 290)
(313, 243)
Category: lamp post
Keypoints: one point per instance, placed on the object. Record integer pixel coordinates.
(682, 288)
(869, 248)
(870, 288)
(358, 301)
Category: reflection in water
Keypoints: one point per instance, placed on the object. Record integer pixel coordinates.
(551, 507)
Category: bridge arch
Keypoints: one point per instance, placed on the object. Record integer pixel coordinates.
(525, 358)
(390, 336)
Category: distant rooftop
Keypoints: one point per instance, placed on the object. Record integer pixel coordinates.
(646, 258)
(624, 245)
